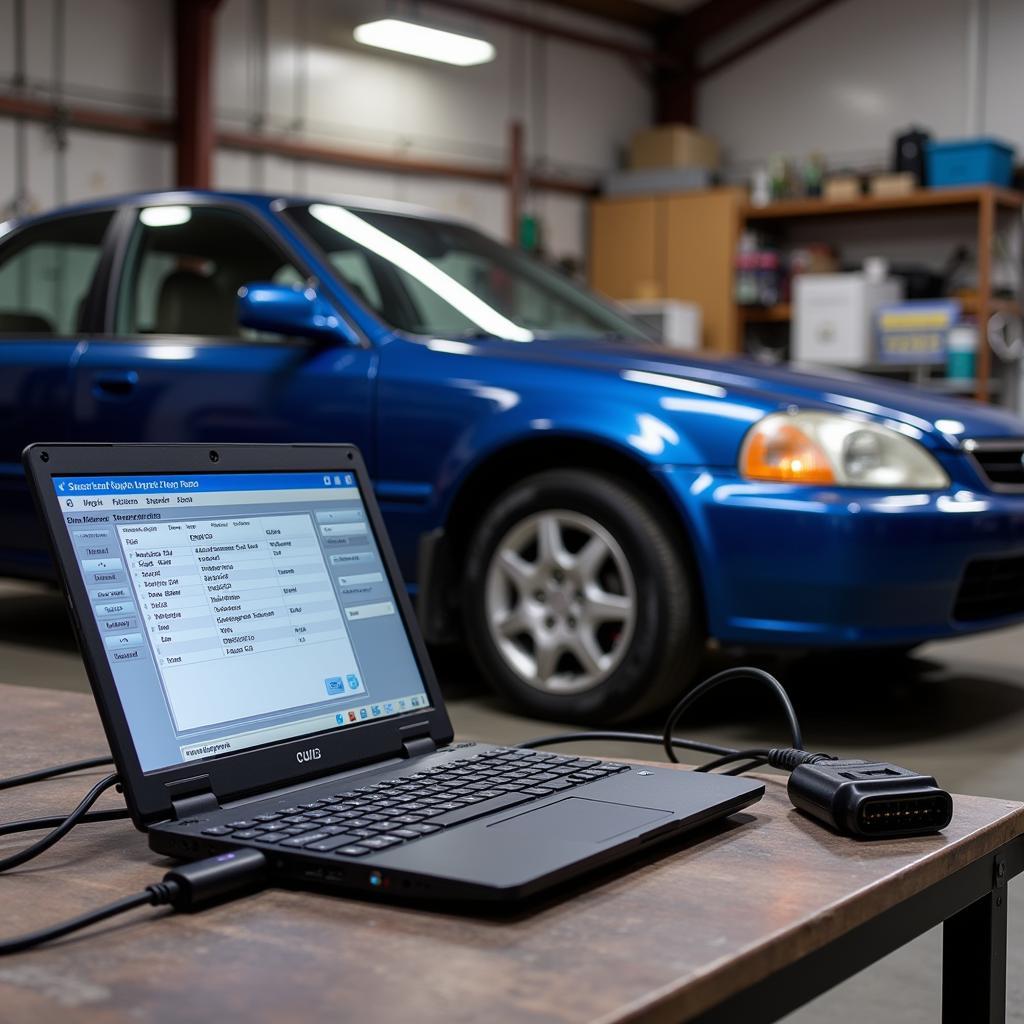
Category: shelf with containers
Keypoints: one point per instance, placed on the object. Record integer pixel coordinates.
(683, 245)
(985, 205)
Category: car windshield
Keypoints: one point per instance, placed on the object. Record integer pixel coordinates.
(444, 279)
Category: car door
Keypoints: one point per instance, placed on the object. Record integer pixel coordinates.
(175, 365)
(47, 274)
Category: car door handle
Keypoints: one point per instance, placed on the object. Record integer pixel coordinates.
(114, 385)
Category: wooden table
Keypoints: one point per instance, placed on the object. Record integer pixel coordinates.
(742, 922)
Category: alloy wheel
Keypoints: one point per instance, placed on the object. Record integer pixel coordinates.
(560, 601)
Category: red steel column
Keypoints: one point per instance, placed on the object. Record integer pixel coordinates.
(516, 178)
(194, 24)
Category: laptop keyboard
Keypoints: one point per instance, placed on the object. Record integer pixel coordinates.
(353, 823)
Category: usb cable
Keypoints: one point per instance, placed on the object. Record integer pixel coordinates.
(853, 797)
(183, 888)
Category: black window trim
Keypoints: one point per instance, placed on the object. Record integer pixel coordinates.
(125, 221)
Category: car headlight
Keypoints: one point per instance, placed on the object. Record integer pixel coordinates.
(827, 448)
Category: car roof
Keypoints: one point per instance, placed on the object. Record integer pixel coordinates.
(265, 201)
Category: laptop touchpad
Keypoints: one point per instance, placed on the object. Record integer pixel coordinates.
(580, 820)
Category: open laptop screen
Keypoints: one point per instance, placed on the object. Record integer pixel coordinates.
(238, 609)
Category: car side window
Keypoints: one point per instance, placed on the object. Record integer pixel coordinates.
(184, 267)
(353, 267)
(46, 272)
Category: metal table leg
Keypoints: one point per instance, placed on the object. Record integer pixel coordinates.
(974, 957)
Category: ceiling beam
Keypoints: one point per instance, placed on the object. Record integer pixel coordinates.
(526, 23)
(624, 12)
(715, 16)
(679, 75)
(756, 42)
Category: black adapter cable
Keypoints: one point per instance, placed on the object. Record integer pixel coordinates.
(66, 824)
(863, 799)
(669, 742)
(183, 888)
(52, 773)
(60, 824)
(55, 821)
(853, 797)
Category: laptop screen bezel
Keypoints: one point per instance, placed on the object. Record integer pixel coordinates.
(149, 795)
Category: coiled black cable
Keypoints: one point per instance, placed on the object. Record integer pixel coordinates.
(740, 760)
(728, 675)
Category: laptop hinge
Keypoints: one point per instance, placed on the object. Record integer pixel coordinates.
(191, 797)
(418, 746)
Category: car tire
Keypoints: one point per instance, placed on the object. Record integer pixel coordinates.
(578, 601)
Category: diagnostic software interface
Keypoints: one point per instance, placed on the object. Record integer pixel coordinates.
(238, 609)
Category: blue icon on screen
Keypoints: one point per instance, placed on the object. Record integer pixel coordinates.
(340, 719)
(375, 710)
(363, 712)
(353, 682)
(389, 708)
(334, 684)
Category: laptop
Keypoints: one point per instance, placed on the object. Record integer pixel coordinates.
(263, 683)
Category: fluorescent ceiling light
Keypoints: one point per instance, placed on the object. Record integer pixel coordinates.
(165, 216)
(421, 41)
(441, 284)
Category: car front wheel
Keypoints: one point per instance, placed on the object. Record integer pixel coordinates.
(577, 599)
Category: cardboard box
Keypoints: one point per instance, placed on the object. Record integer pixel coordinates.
(672, 145)
(900, 183)
(841, 188)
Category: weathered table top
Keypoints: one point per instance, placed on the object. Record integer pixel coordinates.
(659, 940)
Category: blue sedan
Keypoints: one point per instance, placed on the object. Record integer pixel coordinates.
(583, 507)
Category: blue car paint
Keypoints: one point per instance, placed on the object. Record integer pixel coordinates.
(778, 564)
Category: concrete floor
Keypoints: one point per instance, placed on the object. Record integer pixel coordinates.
(956, 709)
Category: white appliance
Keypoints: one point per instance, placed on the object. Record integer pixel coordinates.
(675, 323)
(834, 317)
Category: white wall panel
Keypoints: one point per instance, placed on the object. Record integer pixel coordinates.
(1004, 71)
(595, 102)
(7, 40)
(291, 67)
(846, 79)
(100, 165)
(119, 51)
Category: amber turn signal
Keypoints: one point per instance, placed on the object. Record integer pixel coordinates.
(777, 449)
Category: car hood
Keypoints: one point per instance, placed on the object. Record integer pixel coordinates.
(947, 420)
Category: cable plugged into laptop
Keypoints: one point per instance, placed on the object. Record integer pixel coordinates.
(187, 887)
(854, 797)
(857, 798)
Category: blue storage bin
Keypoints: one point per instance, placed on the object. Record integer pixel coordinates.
(969, 162)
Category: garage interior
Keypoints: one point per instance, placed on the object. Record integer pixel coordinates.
(676, 156)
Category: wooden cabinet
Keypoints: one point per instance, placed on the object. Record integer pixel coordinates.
(626, 248)
(678, 246)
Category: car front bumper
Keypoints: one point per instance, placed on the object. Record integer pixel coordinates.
(812, 566)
